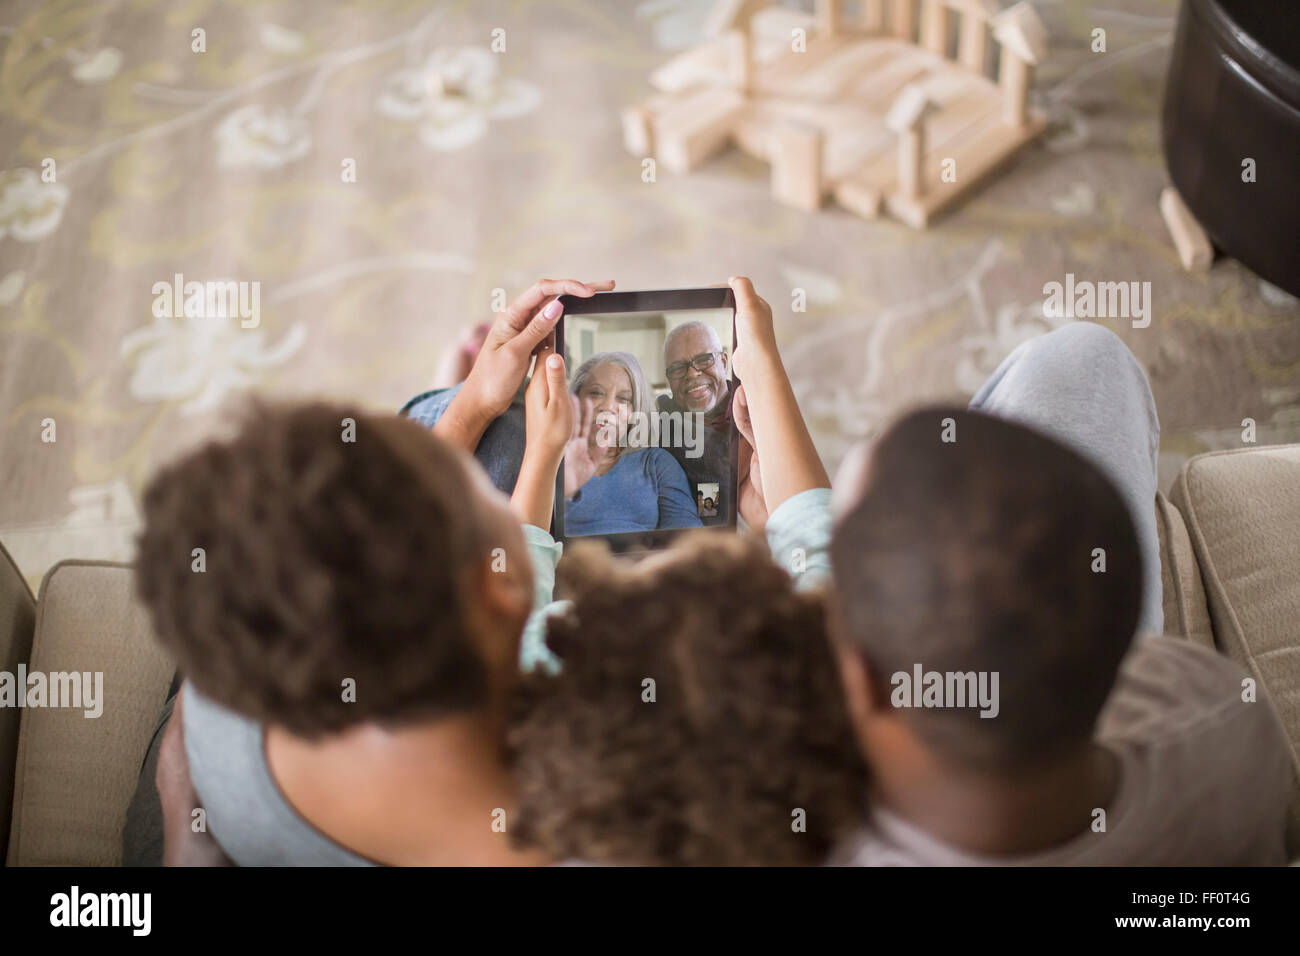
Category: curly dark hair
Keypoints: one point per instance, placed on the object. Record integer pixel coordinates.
(747, 725)
(326, 559)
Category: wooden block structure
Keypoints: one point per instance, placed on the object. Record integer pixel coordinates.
(828, 17)
(972, 41)
(696, 128)
(905, 119)
(1024, 42)
(707, 64)
(872, 15)
(797, 165)
(859, 197)
(637, 136)
(934, 26)
(976, 156)
(729, 22)
(1193, 245)
(867, 113)
(902, 19)
(727, 15)
(740, 60)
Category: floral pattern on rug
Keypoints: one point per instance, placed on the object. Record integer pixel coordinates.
(380, 168)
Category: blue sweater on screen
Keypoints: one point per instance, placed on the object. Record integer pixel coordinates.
(645, 490)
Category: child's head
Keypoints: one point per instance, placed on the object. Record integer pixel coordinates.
(697, 719)
(336, 545)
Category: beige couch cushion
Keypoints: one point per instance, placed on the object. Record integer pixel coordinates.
(1186, 613)
(17, 620)
(76, 775)
(1242, 510)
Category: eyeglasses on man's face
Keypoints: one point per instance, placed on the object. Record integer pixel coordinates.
(700, 363)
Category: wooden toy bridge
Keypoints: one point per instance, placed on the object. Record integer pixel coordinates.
(877, 113)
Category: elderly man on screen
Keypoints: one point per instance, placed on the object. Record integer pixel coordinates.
(696, 366)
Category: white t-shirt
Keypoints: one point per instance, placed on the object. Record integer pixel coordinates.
(1205, 777)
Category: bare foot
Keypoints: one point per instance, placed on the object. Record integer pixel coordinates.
(453, 368)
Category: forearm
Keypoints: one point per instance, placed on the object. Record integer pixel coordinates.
(464, 421)
(533, 499)
(182, 847)
(788, 459)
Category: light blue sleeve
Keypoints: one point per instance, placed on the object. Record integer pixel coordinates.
(544, 552)
(799, 534)
(676, 503)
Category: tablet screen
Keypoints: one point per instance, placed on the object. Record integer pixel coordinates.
(655, 449)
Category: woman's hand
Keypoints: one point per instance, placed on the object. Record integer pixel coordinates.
(517, 333)
(548, 423)
(579, 465)
(502, 362)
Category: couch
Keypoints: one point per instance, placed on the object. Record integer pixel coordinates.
(1230, 556)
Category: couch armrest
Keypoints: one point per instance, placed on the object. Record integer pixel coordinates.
(1242, 510)
(1186, 612)
(75, 775)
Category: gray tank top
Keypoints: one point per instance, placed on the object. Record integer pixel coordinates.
(246, 812)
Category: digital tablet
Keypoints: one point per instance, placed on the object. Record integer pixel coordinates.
(658, 454)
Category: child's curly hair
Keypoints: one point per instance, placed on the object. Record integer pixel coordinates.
(743, 727)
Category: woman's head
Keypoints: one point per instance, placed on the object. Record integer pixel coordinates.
(336, 545)
(616, 386)
(697, 720)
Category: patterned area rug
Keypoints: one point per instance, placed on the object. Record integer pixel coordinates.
(308, 148)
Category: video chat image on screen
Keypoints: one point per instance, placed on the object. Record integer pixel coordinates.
(656, 389)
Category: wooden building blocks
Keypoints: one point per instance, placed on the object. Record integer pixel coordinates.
(870, 109)
(1192, 244)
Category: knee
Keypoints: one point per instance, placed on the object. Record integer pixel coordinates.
(1087, 344)
(1088, 336)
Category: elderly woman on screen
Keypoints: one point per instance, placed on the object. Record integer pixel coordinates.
(615, 481)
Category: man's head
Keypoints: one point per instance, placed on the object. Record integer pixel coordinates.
(696, 367)
(966, 544)
(335, 553)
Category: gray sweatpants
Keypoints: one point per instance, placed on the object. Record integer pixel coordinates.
(1081, 385)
